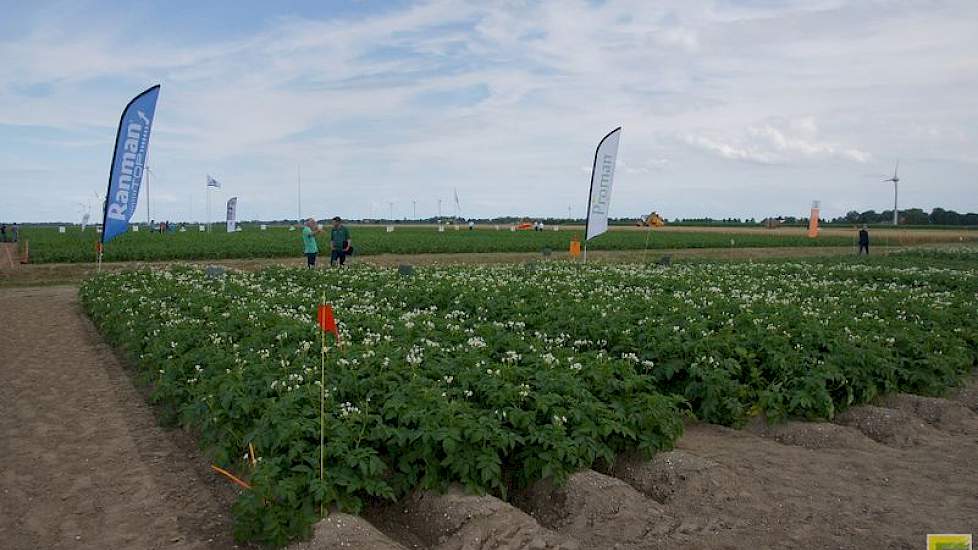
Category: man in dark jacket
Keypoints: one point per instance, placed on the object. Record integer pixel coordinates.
(864, 240)
(340, 243)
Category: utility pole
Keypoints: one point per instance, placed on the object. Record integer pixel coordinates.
(439, 210)
(415, 205)
(391, 203)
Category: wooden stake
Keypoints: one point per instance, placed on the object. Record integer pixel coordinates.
(10, 258)
(322, 413)
(230, 476)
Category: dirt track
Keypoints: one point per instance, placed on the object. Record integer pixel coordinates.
(85, 465)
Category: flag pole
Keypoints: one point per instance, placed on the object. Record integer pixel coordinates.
(322, 413)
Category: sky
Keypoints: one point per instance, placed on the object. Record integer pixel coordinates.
(729, 108)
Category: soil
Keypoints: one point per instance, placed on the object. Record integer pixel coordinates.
(594, 509)
(340, 530)
(86, 465)
(459, 521)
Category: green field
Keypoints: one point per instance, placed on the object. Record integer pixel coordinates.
(47, 245)
(494, 377)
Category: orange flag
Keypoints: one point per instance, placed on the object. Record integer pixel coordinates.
(813, 221)
(326, 320)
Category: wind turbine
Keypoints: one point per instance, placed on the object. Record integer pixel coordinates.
(896, 180)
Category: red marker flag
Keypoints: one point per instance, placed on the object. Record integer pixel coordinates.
(326, 320)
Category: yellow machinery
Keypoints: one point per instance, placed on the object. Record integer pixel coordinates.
(652, 220)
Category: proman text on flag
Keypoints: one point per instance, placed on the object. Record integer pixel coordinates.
(128, 159)
(602, 178)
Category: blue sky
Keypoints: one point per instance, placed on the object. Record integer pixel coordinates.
(729, 109)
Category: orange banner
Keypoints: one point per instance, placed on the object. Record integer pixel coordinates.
(813, 223)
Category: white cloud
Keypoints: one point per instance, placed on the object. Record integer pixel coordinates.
(777, 142)
(824, 84)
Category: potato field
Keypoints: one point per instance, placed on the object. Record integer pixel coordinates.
(495, 377)
(47, 245)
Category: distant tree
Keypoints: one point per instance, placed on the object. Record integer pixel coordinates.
(914, 216)
(869, 216)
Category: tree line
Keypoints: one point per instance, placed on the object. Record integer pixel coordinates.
(910, 216)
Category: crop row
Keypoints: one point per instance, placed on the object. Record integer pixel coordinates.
(495, 377)
(47, 245)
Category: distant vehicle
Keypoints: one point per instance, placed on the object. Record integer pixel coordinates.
(652, 220)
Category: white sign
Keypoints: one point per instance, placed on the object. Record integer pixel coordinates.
(61, 229)
(201, 228)
(135, 228)
(556, 228)
(441, 228)
(602, 178)
(232, 214)
(264, 227)
(390, 228)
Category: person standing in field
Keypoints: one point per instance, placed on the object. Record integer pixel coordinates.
(864, 240)
(14, 232)
(3, 233)
(309, 246)
(339, 242)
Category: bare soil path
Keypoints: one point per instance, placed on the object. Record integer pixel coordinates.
(84, 461)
